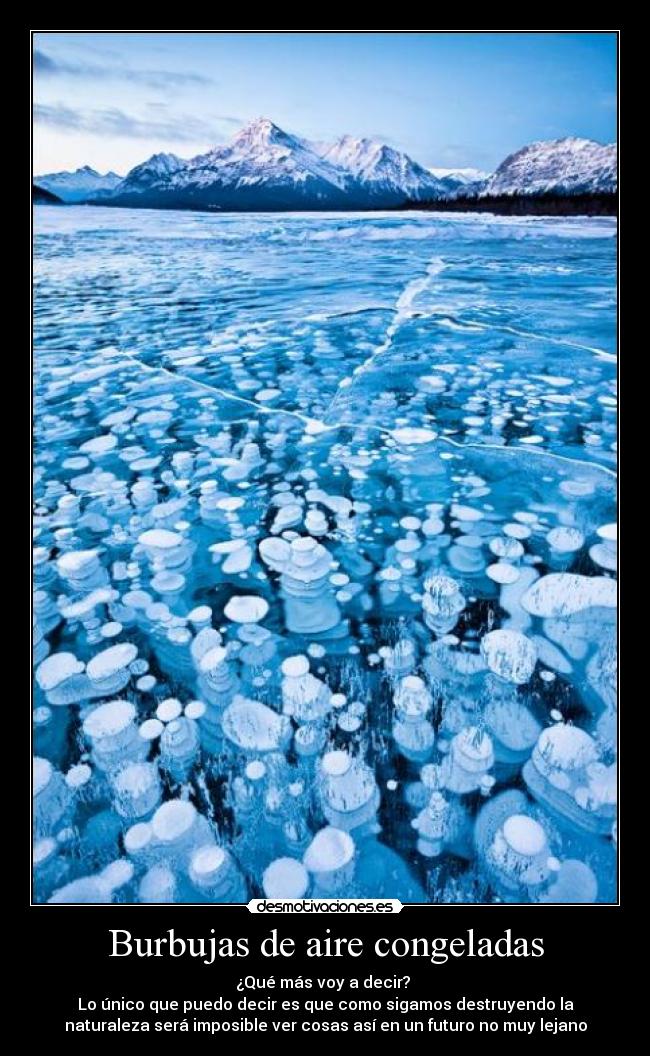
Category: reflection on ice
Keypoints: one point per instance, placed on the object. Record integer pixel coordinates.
(324, 558)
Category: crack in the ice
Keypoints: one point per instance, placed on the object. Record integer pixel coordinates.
(403, 310)
(317, 427)
(600, 352)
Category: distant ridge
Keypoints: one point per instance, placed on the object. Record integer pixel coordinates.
(79, 185)
(263, 168)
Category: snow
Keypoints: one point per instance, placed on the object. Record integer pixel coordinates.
(571, 165)
(460, 176)
(78, 185)
(264, 165)
(381, 168)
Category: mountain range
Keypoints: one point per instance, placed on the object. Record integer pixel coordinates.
(80, 185)
(264, 168)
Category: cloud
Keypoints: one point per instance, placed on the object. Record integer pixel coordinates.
(114, 122)
(46, 65)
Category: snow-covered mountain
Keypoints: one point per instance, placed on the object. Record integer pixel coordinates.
(79, 185)
(264, 167)
(380, 170)
(261, 168)
(558, 166)
(159, 167)
(463, 176)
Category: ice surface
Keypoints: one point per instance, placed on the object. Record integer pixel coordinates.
(324, 558)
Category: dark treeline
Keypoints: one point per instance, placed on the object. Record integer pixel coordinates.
(526, 204)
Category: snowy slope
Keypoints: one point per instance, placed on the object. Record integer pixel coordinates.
(154, 171)
(379, 170)
(265, 167)
(79, 185)
(561, 166)
(262, 167)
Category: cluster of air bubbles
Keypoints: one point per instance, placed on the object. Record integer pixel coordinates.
(276, 655)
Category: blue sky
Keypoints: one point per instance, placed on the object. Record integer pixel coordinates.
(448, 99)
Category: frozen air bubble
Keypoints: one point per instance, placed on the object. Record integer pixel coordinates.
(158, 885)
(524, 835)
(566, 593)
(285, 878)
(331, 849)
(137, 837)
(172, 820)
(502, 573)
(510, 655)
(336, 763)
(295, 666)
(169, 709)
(111, 661)
(150, 729)
(109, 719)
(565, 540)
(196, 709)
(246, 608)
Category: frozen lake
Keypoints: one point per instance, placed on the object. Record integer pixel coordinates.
(328, 501)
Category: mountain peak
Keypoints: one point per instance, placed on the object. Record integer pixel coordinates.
(259, 133)
(568, 165)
